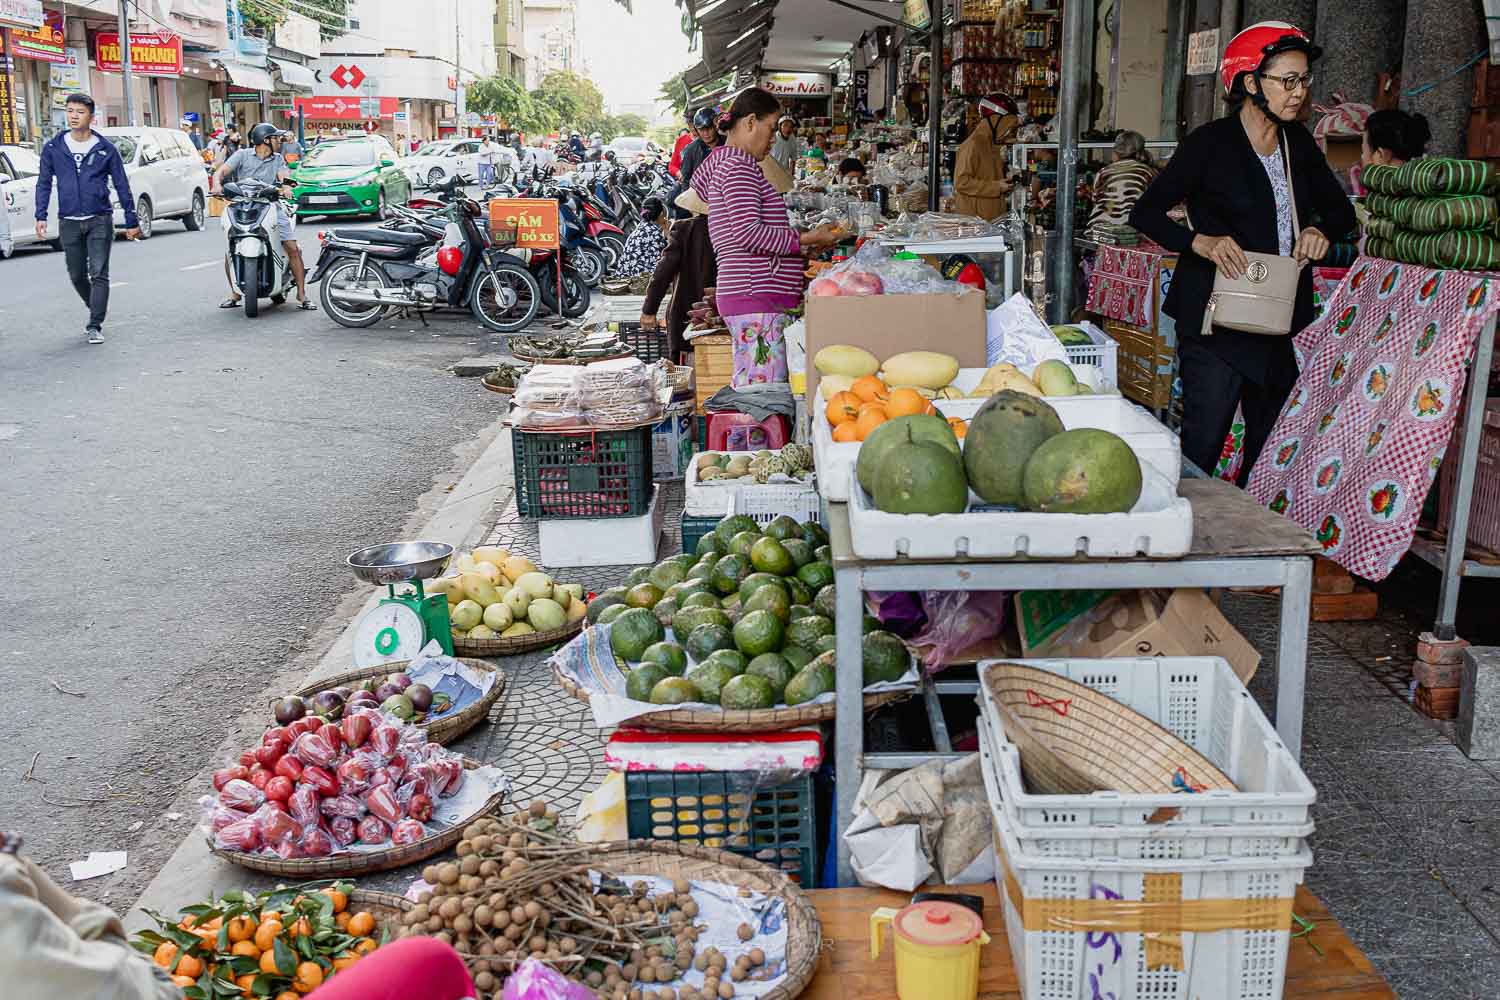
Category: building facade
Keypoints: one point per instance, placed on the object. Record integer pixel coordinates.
(551, 39)
(510, 39)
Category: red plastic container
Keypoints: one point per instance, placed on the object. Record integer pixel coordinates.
(741, 432)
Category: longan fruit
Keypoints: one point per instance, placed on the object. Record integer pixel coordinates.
(484, 916)
(518, 914)
(648, 974)
(470, 865)
(487, 949)
(745, 932)
(701, 962)
(449, 909)
(447, 874)
(628, 971)
(434, 924)
(634, 995)
(517, 839)
(532, 910)
(463, 849)
(490, 868)
(567, 946)
(481, 843)
(726, 990)
(681, 886)
(463, 923)
(690, 909)
(485, 981)
(430, 874)
(595, 979)
(738, 973)
(538, 808)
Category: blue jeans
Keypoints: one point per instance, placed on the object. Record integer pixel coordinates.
(87, 243)
(486, 173)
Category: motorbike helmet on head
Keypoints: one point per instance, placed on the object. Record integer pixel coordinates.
(1252, 48)
(262, 133)
(704, 118)
(1000, 112)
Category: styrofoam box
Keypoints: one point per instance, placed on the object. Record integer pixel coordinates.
(1159, 525)
(1199, 700)
(1135, 843)
(701, 499)
(609, 541)
(1148, 437)
(1082, 964)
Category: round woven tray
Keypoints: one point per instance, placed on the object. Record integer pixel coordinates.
(385, 907)
(353, 863)
(504, 390)
(444, 730)
(1074, 740)
(511, 645)
(733, 720)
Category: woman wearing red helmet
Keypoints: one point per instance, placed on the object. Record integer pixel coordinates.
(1232, 174)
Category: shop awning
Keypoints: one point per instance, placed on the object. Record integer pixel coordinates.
(815, 34)
(244, 75)
(294, 76)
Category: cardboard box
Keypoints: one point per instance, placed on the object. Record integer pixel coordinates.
(1139, 623)
(889, 324)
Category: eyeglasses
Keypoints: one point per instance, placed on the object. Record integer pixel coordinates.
(1292, 81)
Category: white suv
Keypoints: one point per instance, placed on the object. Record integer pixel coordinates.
(166, 175)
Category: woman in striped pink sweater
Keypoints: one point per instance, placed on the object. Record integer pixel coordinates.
(759, 253)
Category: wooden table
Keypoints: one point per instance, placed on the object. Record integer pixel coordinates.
(846, 972)
(1236, 543)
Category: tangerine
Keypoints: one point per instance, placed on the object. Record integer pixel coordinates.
(845, 432)
(165, 952)
(191, 966)
(869, 389)
(241, 928)
(308, 978)
(246, 949)
(842, 408)
(267, 933)
(868, 421)
(243, 982)
(268, 962)
(344, 961)
(184, 981)
(905, 403)
(287, 995)
(302, 928)
(340, 898)
(365, 945)
(362, 924)
(341, 920)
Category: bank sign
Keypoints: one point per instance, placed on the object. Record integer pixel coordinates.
(798, 84)
(150, 54)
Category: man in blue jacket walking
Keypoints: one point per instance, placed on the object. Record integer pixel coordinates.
(84, 163)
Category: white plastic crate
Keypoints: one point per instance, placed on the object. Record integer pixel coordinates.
(1089, 962)
(594, 541)
(1159, 842)
(702, 499)
(765, 507)
(1102, 354)
(1199, 700)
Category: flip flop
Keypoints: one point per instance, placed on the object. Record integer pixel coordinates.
(230, 304)
(306, 305)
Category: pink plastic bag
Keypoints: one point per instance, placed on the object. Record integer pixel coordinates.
(956, 619)
(534, 981)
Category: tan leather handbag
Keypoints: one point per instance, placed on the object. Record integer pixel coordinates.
(1262, 299)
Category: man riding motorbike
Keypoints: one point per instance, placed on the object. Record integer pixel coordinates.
(261, 162)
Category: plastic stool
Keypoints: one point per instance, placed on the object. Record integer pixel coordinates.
(729, 431)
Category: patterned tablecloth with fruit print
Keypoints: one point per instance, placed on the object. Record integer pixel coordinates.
(1361, 437)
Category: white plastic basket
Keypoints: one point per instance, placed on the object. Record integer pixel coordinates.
(1103, 354)
(700, 499)
(1196, 698)
(1086, 964)
(764, 505)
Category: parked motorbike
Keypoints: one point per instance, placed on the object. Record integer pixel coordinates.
(257, 261)
(576, 248)
(365, 274)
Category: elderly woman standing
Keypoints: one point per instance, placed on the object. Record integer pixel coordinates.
(1233, 174)
(759, 253)
(1121, 182)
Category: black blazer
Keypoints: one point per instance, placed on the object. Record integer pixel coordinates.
(687, 266)
(1217, 172)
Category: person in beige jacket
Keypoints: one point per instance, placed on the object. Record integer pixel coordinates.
(53, 945)
(979, 183)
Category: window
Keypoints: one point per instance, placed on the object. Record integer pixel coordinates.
(350, 153)
(182, 146)
(126, 145)
(5, 169)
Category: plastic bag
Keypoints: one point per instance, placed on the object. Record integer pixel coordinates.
(956, 619)
(534, 981)
(549, 396)
(873, 271)
(1015, 334)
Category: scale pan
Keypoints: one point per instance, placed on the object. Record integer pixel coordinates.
(397, 562)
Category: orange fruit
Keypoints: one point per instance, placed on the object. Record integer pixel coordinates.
(869, 389)
(287, 995)
(960, 427)
(246, 949)
(302, 928)
(268, 962)
(243, 982)
(845, 432)
(344, 961)
(214, 924)
(241, 928)
(842, 408)
(190, 966)
(365, 945)
(340, 899)
(184, 981)
(341, 920)
(165, 952)
(905, 403)
(308, 978)
(187, 922)
(267, 933)
(362, 924)
(868, 421)
(270, 915)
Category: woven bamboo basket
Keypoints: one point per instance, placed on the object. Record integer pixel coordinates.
(504, 390)
(350, 864)
(444, 730)
(385, 907)
(731, 720)
(512, 645)
(1074, 740)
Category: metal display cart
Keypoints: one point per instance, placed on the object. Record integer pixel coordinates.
(1236, 543)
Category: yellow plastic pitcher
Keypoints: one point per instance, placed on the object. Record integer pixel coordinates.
(937, 949)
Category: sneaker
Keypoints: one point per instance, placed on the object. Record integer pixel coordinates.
(96, 335)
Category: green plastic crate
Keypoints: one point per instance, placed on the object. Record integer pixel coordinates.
(776, 824)
(694, 528)
(566, 474)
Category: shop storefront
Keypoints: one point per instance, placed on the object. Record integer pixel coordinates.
(156, 62)
(804, 95)
(33, 52)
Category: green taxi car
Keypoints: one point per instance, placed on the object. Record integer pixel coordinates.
(355, 176)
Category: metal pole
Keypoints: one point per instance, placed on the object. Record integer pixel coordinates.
(1073, 68)
(125, 82)
(935, 91)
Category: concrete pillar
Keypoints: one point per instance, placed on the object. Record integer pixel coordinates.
(1440, 36)
(1202, 101)
(1302, 13)
(1360, 38)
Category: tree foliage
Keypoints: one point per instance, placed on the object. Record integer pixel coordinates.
(573, 101)
(503, 96)
(625, 125)
(332, 15)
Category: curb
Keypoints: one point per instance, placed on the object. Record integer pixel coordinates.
(462, 521)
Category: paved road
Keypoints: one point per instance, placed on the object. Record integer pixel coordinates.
(178, 504)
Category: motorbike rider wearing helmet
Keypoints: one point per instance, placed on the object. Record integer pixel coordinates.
(784, 148)
(705, 124)
(979, 181)
(1232, 173)
(261, 162)
(575, 143)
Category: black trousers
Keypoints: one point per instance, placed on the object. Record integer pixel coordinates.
(1211, 389)
(87, 243)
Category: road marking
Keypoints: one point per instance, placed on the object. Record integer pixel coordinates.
(198, 267)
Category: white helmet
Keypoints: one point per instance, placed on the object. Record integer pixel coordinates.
(597, 135)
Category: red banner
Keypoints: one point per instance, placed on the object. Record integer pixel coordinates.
(44, 44)
(344, 109)
(157, 54)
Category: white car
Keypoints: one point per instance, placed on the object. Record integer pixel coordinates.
(166, 174)
(19, 166)
(437, 161)
(631, 149)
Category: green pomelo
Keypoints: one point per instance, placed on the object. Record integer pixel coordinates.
(632, 632)
(748, 691)
(664, 574)
(772, 599)
(797, 656)
(643, 595)
(899, 430)
(611, 597)
(742, 543)
(885, 657)
(812, 680)
(669, 655)
(708, 545)
(699, 599)
(638, 575)
(758, 632)
(731, 526)
(1087, 471)
(768, 555)
(664, 610)
(640, 681)
(798, 611)
(705, 639)
(799, 549)
(729, 571)
(709, 679)
(815, 575)
(814, 533)
(612, 612)
(675, 691)
(1001, 437)
(806, 631)
(919, 477)
(687, 619)
(733, 659)
(826, 603)
(774, 668)
(783, 528)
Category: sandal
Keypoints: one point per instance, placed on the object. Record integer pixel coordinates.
(306, 305)
(230, 304)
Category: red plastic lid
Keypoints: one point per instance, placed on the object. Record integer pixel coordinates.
(938, 924)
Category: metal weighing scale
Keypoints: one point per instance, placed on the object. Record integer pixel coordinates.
(401, 624)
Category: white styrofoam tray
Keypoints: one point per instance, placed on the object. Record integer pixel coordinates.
(1159, 525)
(706, 499)
(1147, 436)
(1196, 698)
(593, 541)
